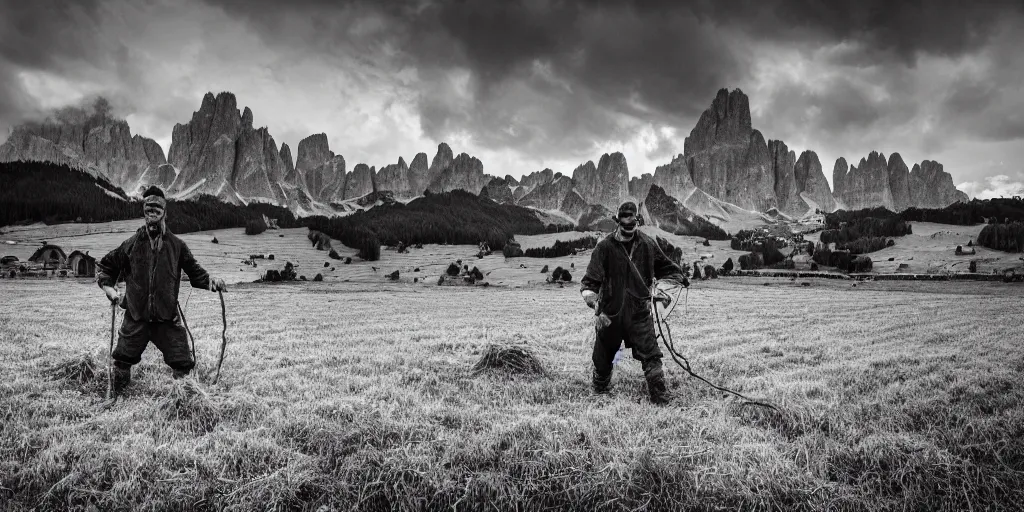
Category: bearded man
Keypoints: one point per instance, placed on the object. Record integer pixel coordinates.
(618, 286)
(150, 263)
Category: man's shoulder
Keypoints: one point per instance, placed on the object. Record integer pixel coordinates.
(605, 242)
(174, 239)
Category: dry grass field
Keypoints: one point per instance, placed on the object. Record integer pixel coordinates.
(893, 396)
(359, 393)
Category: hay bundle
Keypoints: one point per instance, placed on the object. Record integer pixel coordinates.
(510, 360)
(76, 371)
(544, 270)
(190, 405)
(393, 276)
(318, 277)
(453, 270)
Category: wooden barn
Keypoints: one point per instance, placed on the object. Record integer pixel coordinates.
(50, 256)
(81, 264)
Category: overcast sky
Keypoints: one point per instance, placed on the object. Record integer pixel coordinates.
(525, 85)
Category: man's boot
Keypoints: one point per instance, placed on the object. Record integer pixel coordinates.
(602, 383)
(656, 386)
(121, 378)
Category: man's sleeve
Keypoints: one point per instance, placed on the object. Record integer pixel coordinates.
(595, 271)
(197, 275)
(111, 266)
(665, 268)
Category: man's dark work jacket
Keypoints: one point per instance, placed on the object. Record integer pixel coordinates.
(611, 276)
(152, 276)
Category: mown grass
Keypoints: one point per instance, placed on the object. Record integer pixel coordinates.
(892, 397)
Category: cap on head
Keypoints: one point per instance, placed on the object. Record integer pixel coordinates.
(154, 196)
(626, 209)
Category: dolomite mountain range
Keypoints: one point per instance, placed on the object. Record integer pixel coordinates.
(726, 167)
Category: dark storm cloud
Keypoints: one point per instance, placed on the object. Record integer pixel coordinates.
(658, 61)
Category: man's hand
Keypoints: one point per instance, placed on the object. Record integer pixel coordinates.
(217, 284)
(602, 321)
(112, 294)
(590, 297)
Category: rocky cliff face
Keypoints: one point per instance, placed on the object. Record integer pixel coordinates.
(932, 187)
(573, 205)
(669, 214)
(499, 190)
(727, 158)
(607, 184)
(899, 182)
(395, 177)
(877, 183)
(811, 183)
(442, 160)
(674, 178)
(783, 163)
(465, 172)
(549, 196)
(219, 152)
(360, 182)
(638, 187)
(418, 175)
(290, 176)
(866, 185)
(95, 143)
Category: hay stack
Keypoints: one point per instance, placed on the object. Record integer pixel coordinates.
(190, 405)
(510, 360)
(79, 371)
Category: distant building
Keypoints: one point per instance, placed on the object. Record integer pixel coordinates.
(50, 256)
(81, 264)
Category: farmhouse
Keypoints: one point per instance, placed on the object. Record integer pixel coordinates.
(81, 264)
(49, 255)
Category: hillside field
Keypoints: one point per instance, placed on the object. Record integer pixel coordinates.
(892, 395)
(359, 392)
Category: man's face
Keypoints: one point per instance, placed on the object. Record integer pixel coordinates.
(154, 214)
(627, 223)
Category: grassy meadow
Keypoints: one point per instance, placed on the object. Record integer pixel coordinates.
(894, 396)
(359, 393)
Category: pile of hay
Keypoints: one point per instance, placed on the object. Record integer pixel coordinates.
(189, 404)
(80, 371)
(509, 360)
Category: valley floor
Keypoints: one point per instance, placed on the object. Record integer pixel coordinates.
(898, 395)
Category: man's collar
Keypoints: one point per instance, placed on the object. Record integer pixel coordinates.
(620, 238)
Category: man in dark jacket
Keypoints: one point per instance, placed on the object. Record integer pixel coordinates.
(618, 281)
(150, 263)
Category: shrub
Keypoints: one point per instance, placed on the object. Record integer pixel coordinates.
(860, 264)
(751, 261)
(334, 255)
(728, 266)
(512, 249)
(814, 266)
(255, 226)
(453, 270)
(1003, 237)
(366, 243)
(215, 240)
(544, 270)
(707, 243)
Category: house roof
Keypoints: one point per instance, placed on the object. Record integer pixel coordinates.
(82, 254)
(39, 252)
